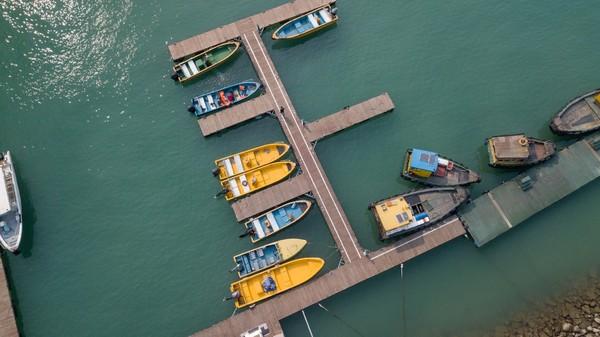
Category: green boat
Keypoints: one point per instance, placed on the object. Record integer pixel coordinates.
(204, 62)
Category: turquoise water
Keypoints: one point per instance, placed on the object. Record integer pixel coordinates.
(123, 236)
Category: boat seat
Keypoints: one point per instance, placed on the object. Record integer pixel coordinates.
(228, 167)
(252, 255)
(325, 15)
(244, 183)
(262, 264)
(233, 188)
(238, 163)
(273, 222)
(260, 252)
(211, 101)
(186, 71)
(255, 264)
(202, 103)
(313, 20)
(192, 66)
(260, 233)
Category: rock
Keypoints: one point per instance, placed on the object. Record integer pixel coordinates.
(567, 327)
(597, 320)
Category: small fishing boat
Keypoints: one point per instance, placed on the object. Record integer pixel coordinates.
(204, 62)
(250, 159)
(580, 115)
(409, 212)
(518, 150)
(223, 98)
(432, 169)
(276, 280)
(256, 179)
(277, 219)
(305, 24)
(261, 258)
(11, 225)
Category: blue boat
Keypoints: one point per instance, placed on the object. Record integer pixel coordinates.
(277, 219)
(306, 24)
(223, 98)
(264, 257)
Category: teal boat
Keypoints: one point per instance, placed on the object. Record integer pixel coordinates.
(277, 219)
(204, 62)
(264, 257)
(306, 24)
(224, 97)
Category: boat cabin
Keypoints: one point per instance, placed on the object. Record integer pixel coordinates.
(426, 163)
(397, 215)
(512, 148)
(260, 331)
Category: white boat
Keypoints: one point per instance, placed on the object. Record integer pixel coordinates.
(11, 224)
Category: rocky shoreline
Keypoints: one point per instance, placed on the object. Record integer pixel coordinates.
(576, 313)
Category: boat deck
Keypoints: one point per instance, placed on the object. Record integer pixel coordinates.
(348, 117)
(235, 115)
(507, 205)
(266, 199)
(8, 324)
(200, 42)
(336, 280)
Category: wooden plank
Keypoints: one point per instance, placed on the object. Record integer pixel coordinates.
(8, 324)
(276, 195)
(346, 118)
(234, 115)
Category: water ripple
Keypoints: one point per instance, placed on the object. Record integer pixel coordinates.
(68, 48)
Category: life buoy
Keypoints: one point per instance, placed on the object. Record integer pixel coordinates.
(523, 141)
(245, 183)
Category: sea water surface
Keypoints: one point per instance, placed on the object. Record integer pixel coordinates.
(123, 236)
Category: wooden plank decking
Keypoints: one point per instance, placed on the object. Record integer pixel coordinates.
(200, 42)
(346, 118)
(8, 324)
(234, 115)
(264, 200)
(336, 280)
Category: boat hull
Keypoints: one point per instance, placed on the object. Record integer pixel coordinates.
(285, 276)
(11, 222)
(459, 175)
(264, 257)
(539, 151)
(580, 115)
(204, 62)
(306, 24)
(244, 161)
(435, 203)
(231, 95)
(277, 219)
(254, 180)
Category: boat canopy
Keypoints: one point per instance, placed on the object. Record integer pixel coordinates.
(4, 199)
(423, 162)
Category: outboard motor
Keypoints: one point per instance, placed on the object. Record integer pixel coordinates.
(174, 77)
(334, 11)
(192, 109)
(1, 155)
(215, 171)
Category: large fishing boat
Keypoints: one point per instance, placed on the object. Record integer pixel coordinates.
(253, 158)
(277, 219)
(11, 225)
(204, 62)
(580, 115)
(432, 169)
(518, 150)
(256, 179)
(261, 258)
(305, 24)
(276, 280)
(223, 98)
(409, 212)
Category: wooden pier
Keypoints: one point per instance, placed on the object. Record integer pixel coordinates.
(348, 117)
(264, 200)
(235, 115)
(335, 281)
(8, 324)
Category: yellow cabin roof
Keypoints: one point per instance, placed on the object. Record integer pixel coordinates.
(394, 213)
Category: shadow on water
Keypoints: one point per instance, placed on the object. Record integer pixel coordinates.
(29, 219)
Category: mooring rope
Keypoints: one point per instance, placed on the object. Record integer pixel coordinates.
(307, 325)
(341, 320)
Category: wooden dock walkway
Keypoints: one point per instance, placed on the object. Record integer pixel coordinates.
(200, 42)
(348, 117)
(8, 324)
(234, 115)
(292, 127)
(264, 200)
(335, 281)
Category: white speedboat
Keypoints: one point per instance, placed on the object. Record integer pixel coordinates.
(11, 225)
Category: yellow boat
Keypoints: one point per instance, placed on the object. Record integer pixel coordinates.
(259, 178)
(261, 258)
(274, 281)
(250, 159)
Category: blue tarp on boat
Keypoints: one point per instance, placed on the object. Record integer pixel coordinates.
(424, 160)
